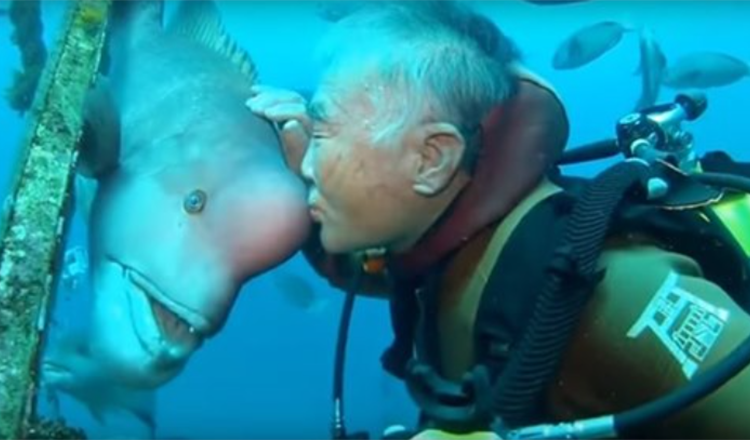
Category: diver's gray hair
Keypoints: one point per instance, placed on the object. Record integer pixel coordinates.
(443, 62)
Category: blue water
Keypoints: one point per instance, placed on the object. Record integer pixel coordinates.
(268, 373)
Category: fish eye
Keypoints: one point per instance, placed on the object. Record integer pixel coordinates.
(195, 201)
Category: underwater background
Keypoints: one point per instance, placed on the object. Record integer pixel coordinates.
(268, 373)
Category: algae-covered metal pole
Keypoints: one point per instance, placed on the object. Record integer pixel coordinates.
(35, 216)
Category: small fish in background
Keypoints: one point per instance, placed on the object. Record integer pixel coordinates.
(653, 63)
(588, 44)
(554, 2)
(299, 293)
(704, 70)
(69, 367)
(75, 267)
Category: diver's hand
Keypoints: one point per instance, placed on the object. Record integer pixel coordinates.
(288, 109)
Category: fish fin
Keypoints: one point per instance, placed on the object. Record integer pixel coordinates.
(642, 104)
(664, 61)
(100, 142)
(143, 408)
(96, 412)
(639, 69)
(201, 21)
(85, 191)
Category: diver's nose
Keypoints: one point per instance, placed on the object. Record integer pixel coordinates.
(307, 168)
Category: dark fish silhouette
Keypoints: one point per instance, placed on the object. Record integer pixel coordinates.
(652, 66)
(703, 70)
(588, 44)
(298, 292)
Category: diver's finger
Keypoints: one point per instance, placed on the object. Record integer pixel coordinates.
(261, 88)
(264, 106)
(295, 139)
(257, 89)
(270, 95)
(289, 112)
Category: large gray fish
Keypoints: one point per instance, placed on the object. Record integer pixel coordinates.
(193, 194)
(652, 66)
(588, 44)
(703, 70)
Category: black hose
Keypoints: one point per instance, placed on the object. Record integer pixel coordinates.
(564, 295)
(726, 181)
(588, 152)
(703, 385)
(338, 428)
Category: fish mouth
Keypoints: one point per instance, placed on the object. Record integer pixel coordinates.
(175, 322)
(52, 367)
(53, 373)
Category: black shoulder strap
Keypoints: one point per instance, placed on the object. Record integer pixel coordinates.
(516, 281)
(405, 316)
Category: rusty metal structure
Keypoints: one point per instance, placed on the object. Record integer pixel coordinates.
(36, 213)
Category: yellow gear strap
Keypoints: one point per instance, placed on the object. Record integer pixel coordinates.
(436, 434)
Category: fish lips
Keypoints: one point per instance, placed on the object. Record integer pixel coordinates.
(54, 373)
(152, 311)
(136, 333)
(169, 314)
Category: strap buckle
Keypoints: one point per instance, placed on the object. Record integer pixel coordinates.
(461, 408)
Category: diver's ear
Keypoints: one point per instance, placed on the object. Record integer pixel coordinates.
(440, 151)
(100, 142)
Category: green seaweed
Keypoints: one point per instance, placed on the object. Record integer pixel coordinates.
(28, 35)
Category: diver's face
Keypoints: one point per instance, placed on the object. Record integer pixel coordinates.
(360, 193)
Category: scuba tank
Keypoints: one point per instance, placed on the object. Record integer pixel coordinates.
(652, 140)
